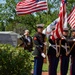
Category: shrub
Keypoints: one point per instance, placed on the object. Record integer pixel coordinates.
(14, 61)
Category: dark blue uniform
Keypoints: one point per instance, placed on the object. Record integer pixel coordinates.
(72, 47)
(53, 60)
(64, 59)
(39, 47)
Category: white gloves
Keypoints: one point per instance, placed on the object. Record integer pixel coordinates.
(43, 55)
(45, 43)
(73, 39)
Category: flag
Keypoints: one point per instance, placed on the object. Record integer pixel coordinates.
(65, 22)
(30, 6)
(58, 32)
(49, 28)
(71, 18)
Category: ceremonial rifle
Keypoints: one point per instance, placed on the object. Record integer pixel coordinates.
(44, 50)
(71, 47)
(56, 47)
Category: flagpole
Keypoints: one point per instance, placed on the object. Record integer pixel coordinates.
(47, 5)
(47, 14)
(46, 28)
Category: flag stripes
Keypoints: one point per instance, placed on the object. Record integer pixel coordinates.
(71, 18)
(30, 6)
(58, 32)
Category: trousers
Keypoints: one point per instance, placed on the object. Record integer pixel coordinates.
(72, 67)
(64, 64)
(53, 63)
(38, 63)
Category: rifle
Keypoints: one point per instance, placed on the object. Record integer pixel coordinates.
(66, 48)
(58, 46)
(44, 50)
(71, 48)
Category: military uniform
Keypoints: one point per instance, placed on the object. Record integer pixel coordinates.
(72, 48)
(52, 58)
(39, 47)
(64, 63)
(64, 59)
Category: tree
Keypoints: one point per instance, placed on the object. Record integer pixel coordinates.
(7, 11)
(11, 21)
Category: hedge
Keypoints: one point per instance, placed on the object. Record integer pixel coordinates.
(14, 61)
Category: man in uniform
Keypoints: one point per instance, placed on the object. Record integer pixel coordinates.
(64, 48)
(39, 42)
(27, 41)
(72, 48)
(52, 55)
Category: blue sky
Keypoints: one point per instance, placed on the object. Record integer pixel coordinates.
(2, 1)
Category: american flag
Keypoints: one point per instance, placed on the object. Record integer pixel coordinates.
(30, 6)
(58, 32)
(71, 18)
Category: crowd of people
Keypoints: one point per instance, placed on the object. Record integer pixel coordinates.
(59, 49)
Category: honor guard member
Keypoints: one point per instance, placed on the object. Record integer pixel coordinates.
(52, 58)
(27, 41)
(64, 48)
(38, 52)
(72, 49)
